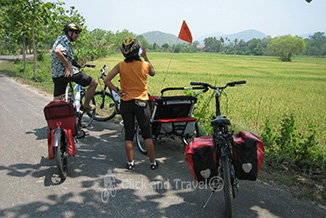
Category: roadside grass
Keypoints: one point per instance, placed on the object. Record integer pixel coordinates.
(273, 89)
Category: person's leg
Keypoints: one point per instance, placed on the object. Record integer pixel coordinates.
(60, 84)
(90, 92)
(150, 149)
(143, 116)
(85, 80)
(129, 150)
(129, 126)
(60, 97)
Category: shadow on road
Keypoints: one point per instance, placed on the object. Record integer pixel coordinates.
(168, 191)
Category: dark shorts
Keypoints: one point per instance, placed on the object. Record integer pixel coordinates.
(60, 83)
(129, 110)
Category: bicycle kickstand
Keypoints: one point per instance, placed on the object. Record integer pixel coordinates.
(209, 198)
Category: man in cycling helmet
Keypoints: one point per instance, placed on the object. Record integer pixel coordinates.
(134, 97)
(64, 68)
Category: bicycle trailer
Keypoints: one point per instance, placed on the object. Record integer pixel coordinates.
(173, 116)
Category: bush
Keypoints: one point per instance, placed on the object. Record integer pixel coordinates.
(293, 147)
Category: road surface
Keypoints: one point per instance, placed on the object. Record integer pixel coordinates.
(30, 186)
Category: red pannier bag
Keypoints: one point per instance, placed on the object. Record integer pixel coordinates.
(248, 154)
(50, 144)
(63, 112)
(201, 160)
(70, 142)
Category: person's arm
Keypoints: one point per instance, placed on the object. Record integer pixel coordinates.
(151, 68)
(63, 59)
(108, 80)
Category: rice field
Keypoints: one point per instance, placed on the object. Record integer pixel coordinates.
(273, 88)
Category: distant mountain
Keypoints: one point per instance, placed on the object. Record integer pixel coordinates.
(244, 35)
(160, 38)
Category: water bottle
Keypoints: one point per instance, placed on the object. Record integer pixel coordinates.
(77, 101)
(115, 96)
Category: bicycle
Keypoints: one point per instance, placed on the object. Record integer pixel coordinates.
(61, 119)
(107, 102)
(75, 96)
(223, 142)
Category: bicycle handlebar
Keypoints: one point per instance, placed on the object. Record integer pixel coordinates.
(205, 86)
(89, 65)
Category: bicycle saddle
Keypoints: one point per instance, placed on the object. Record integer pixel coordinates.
(220, 121)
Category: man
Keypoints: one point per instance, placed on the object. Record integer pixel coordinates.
(63, 69)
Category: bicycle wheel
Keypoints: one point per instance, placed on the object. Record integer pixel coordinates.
(86, 118)
(60, 154)
(186, 139)
(228, 195)
(80, 132)
(140, 141)
(105, 106)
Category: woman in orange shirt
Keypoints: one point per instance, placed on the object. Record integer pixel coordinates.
(133, 80)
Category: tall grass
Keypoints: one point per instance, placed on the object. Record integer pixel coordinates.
(273, 88)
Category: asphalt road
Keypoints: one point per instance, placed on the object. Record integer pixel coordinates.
(30, 186)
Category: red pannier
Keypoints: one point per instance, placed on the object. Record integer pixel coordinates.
(201, 160)
(62, 112)
(248, 154)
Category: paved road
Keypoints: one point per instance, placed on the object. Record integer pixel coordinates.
(30, 186)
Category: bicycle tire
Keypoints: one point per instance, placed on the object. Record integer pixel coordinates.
(228, 195)
(69, 95)
(140, 141)
(105, 106)
(86, 120)
(60, 155)
(187, 140)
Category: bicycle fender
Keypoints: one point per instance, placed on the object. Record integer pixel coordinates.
(56, 137)
(224, 151)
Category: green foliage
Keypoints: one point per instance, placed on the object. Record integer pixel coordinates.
(203, 114)
(316, 45)
(287, 46)
(213, 45)
(288, 145)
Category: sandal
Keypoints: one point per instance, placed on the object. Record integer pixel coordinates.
(130, 166)
(154, 165)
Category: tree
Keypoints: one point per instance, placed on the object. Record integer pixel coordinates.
(316, 44)
(287, 46)
(22, 19)
(212, 44)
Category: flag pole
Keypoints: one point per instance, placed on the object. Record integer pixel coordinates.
(184, 35)
(176, 43)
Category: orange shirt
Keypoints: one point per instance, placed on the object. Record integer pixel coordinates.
(133, 79)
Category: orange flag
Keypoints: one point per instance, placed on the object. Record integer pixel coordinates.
(185, 33)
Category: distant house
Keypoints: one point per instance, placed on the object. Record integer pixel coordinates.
(200, 47)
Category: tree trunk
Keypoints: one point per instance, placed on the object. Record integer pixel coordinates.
(34, 49)
(24, 53)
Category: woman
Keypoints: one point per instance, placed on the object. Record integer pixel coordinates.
(133, 80)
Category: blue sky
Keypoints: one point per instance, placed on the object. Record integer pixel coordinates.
(272, 17)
